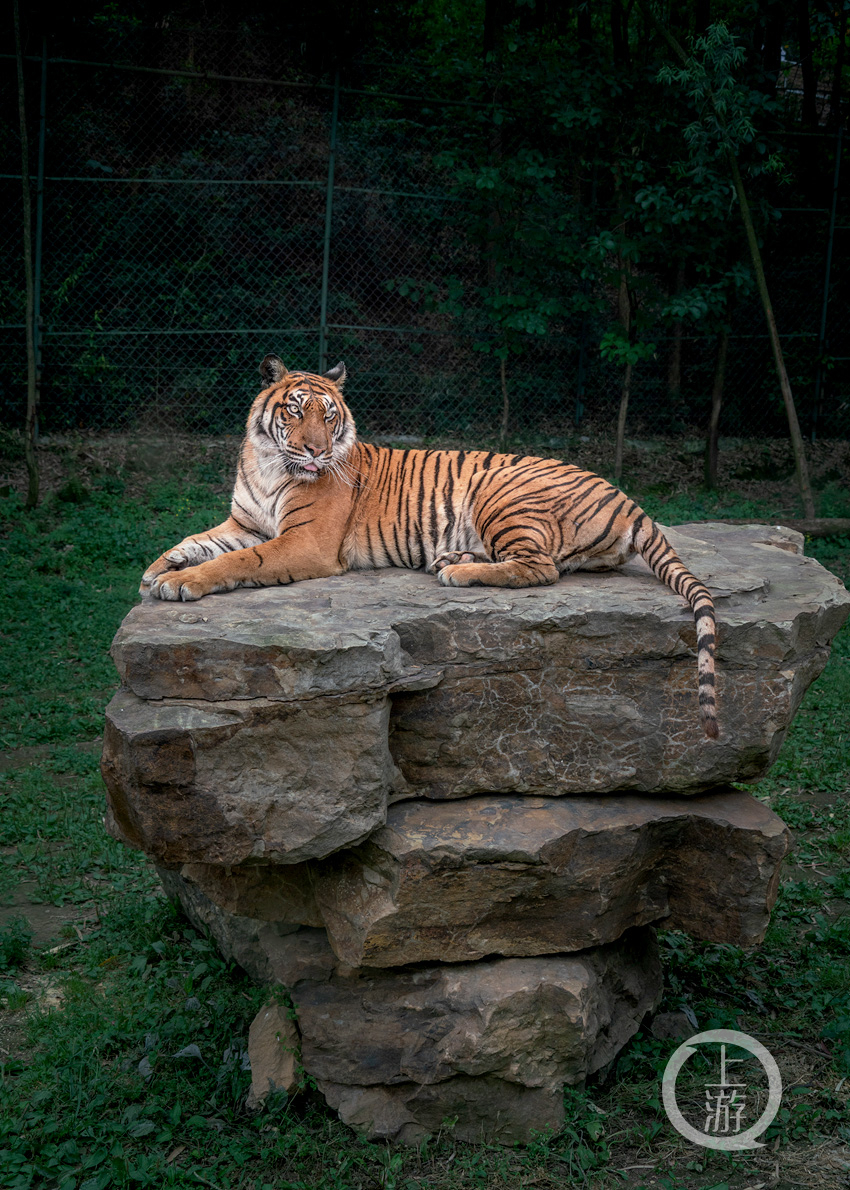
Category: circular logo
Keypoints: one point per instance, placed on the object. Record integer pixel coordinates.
(726, 1098)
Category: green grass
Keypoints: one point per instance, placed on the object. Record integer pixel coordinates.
(93, 1092)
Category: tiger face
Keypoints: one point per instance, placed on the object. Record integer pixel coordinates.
(303, 416)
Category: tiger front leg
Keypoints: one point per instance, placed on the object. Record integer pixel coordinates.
(201, 547)
(273, 563)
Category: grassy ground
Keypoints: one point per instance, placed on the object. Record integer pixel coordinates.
(105, 991)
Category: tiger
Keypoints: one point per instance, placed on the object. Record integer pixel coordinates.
(310, 500)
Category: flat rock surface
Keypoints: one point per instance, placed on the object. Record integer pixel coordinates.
(237, 708)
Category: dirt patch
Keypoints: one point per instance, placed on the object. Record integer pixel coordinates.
(27, 986)
(19, 758)
(48, 922)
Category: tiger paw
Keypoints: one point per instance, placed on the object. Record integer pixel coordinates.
(450, 558)
(177, 559)
(464, 574)
(175, 585)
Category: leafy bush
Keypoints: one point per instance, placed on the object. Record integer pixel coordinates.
(15, 941)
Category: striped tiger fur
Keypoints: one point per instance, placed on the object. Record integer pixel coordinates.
(311, 501)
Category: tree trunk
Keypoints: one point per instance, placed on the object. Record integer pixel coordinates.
(781, 371)
(31, 424)
(494, 218)
(494, 21)
(621, 423)
(711, 447)
(774, 26)
(702, 17)
(624, 309)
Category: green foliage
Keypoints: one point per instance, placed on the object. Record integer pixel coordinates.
(726, 108)
(15, 939)
(616, 347)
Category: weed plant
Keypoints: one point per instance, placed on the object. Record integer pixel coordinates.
(123, 1043)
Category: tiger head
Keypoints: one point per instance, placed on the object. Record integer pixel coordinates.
(302, 415)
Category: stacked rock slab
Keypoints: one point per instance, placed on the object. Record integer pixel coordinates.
(447, 821)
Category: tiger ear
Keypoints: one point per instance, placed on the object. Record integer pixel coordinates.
(337, 375)
(272, 369)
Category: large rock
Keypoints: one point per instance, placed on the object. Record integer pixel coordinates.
(462, 880)
(509, 876)
(259, 947)
(273, 1050)
(233, 780)
(490, 1043)
(481, 1110)
(265, 892)
(539, 1022)
(277, 723)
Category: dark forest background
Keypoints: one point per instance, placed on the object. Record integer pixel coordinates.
(526, 213)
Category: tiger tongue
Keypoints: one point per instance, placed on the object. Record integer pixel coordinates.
(310, 467)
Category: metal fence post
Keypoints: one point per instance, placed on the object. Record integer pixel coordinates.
(329, 204)
(827, 270)
(39, 233)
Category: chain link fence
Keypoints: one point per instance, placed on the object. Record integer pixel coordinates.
(190, 223)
